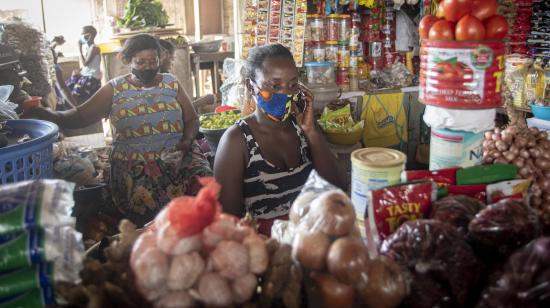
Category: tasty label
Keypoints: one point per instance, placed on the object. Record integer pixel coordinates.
(392, 206)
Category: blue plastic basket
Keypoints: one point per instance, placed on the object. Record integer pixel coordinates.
(540, 112)
(30, 160)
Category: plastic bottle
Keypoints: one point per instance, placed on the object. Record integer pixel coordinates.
(535, 82)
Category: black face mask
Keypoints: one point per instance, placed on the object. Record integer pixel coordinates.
(145, 76)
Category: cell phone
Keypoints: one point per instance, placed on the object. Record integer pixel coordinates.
(300, 101)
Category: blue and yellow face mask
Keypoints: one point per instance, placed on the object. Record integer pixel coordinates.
(277, 106)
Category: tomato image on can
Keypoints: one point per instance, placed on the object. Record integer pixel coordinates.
(462, 75)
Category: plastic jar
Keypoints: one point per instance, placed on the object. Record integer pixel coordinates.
(343, 55)
(333, 29)
(353, 59)
(342, 79)
(319, 52)
(331, 51)
(353, 80)
(308, 52)
(362, 70)
(320, 73)
(317, 26)
(354, 38)
(344, 28)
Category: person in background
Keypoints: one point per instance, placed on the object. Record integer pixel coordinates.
(155, 157)
(167, 56)
(86, 81)
(166, 66)
(56, 42)
(264, 160)
(65, 99)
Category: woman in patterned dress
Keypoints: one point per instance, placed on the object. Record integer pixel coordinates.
(155, 157)
(264, 160)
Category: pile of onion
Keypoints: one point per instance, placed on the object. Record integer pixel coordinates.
(327, 244)
(529, 150)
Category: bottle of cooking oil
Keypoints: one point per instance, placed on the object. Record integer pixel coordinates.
(535, 82)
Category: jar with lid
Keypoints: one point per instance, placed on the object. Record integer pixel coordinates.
(317, 25)
(342, 79)
(331, 51)
(353, 59)
(345, 28)
(353, 80)
(333, 27)
(308, 51)
(343, 55)
(362, 69)
(319, 52)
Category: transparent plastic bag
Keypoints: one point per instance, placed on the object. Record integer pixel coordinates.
(524, 281)
(194, 253)
(326, 242)
(7, 108)
(33, 204)
(444, 271)
(233, 89)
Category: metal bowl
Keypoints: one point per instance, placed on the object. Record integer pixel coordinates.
(207, 46)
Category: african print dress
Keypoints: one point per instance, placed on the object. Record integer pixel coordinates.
(146, 169)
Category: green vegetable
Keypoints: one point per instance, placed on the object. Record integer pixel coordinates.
(143, 13)
(486, 174)
(220, 120)
(339, 121)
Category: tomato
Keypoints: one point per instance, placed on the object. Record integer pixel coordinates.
(496, 28)
(442, 30)
(453, 10)
(469, 28)
(483, 9)
(425, 24)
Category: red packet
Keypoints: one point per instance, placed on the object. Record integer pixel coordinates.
(474, 191)
(442, 178)
(392, 206)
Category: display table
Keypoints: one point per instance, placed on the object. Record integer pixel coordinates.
(211, 61)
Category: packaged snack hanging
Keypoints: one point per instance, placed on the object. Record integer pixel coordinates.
(534, 82)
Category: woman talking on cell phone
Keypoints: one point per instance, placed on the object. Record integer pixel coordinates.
(264, 160)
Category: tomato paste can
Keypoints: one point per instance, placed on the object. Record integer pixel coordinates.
(375, 49)
(461, 75)
(342, 78)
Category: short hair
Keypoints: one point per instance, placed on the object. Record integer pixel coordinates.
(89, 29)
(59, 39)
(138, 43)
(259, 54)
(168, 46)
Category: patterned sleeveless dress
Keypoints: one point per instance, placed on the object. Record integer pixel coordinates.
(269, 190)
(146, 169)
